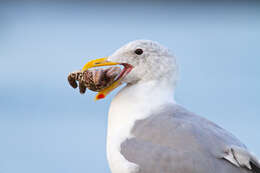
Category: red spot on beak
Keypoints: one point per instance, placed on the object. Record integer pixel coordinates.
(101, 96)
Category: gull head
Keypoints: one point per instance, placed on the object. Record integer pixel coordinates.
(149, 59)
(143, 61)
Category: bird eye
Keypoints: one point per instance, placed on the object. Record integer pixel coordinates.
(139, 51)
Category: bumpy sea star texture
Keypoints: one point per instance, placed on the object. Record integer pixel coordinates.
(95, 80)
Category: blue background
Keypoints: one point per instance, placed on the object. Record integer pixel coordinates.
(46, 126)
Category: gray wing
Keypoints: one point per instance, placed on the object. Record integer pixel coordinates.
(174, 140)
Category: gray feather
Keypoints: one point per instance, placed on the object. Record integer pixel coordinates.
(174, 140)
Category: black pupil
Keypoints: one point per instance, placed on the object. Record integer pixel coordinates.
(138, 51)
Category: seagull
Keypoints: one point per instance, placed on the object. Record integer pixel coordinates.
(148, 132)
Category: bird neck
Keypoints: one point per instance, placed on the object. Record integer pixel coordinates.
(153, 90)
(145, 95)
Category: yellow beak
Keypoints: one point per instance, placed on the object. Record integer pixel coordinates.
(102, 62)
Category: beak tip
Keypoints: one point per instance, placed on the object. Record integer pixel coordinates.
(99, 96)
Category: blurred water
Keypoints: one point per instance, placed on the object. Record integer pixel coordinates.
(46, 126)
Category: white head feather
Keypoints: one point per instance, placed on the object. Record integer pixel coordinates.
(155, 63)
